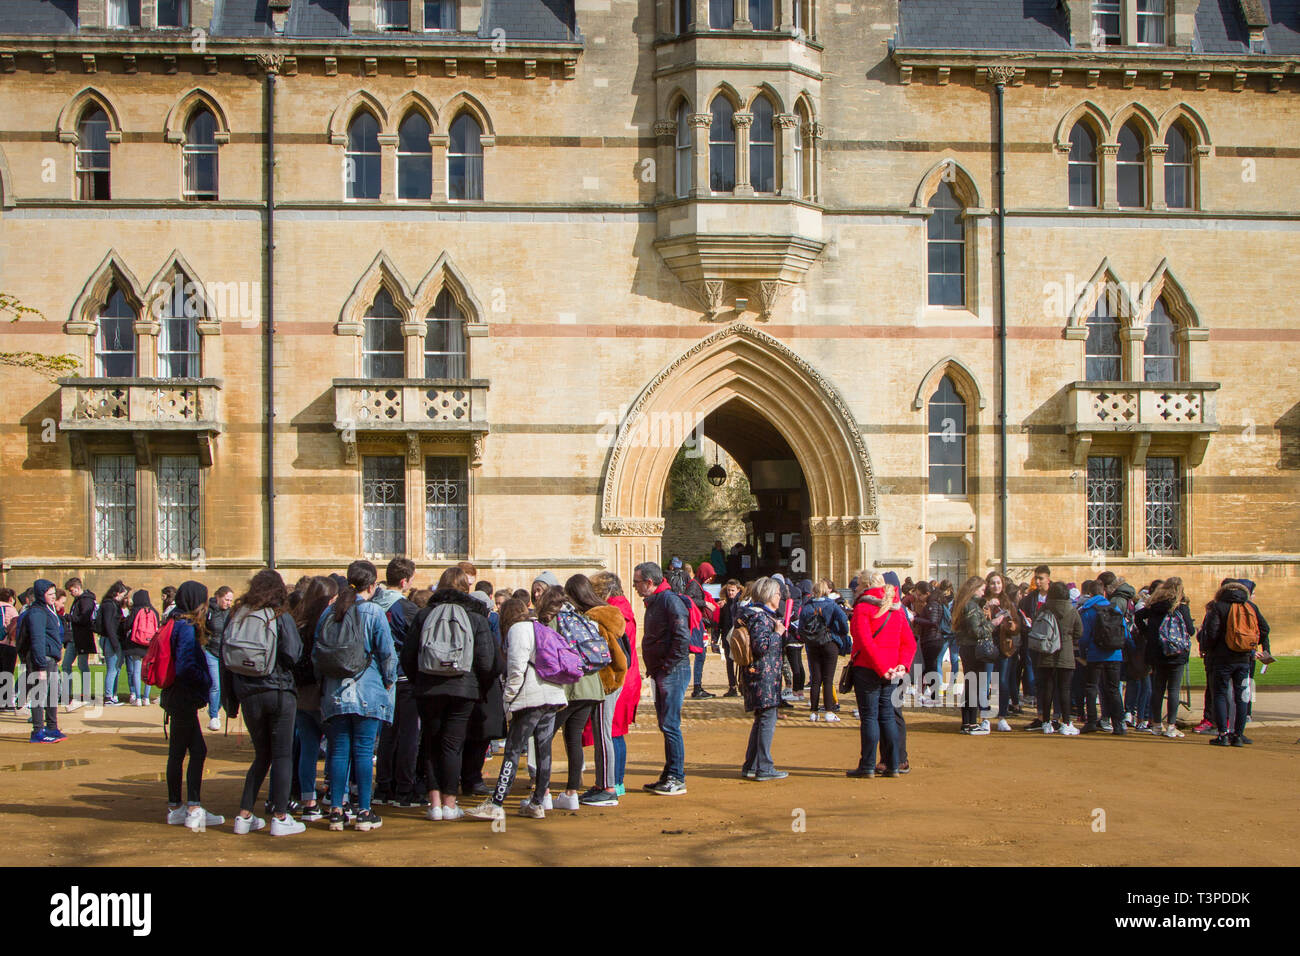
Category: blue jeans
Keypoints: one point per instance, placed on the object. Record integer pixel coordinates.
(949, 650)
(1028, 678)
(758, 754)
(1137, 698)
(1231, 679)
(133, 665)
(352, 740)
(214, 694)
(1008, 683)
(699, 669)
(112, 669)
(83, 666)
(620, 759)
(308, 732)
(879, 723)
(670, 692)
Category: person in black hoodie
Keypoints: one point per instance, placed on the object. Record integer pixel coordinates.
(109, 624)
(309, 725)
(40, 646)
(1166, 669)
(269, 703)
(399, 741)
(81, 617)
(446, 703)
(182, 700)
(1229, 668)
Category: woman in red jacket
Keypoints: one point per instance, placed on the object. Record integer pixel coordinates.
(883, 647)
(608, 586)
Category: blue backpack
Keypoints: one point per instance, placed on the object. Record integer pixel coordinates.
(584, 636)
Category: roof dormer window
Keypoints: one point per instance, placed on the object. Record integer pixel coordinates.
(393, 15)
(122, 14)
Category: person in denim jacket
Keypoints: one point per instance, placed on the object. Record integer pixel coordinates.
(354, 707)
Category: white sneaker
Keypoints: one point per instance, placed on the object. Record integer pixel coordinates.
(1173, 732)
(831, 717)
(245, 824)
(1069, 730)
(286, 827)
(566, 801)
(75, 705)
(547, 802)
(434, 813)
(214, 723)
(1048, 728)
(984, 725)
(943, 689)
(813, 716)
(856, 715)
(531, 810)
(199, 819)
(487, 810)
(452, 813)
(176, 817)
(1003, 725)
(1130, 720)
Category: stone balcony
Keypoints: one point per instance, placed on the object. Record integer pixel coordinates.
(1160, 416)
(140, 407)
(453, 410)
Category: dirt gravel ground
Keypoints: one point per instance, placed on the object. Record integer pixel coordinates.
(1009, 799)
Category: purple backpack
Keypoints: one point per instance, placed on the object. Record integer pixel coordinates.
(555, 660)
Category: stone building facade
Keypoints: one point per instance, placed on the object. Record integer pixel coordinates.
(483, 260)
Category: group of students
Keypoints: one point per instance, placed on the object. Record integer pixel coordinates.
(407, 691)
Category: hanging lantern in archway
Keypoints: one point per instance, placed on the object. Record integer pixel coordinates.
(717, 475)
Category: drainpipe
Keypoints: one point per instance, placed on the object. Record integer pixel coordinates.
(269, 254)
(1000, 79)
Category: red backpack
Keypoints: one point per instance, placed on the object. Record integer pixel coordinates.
(144, 627)
(159, 668)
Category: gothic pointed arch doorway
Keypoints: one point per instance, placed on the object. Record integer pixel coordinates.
(741, 374)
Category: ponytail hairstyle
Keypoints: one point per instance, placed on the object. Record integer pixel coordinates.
(362, 575)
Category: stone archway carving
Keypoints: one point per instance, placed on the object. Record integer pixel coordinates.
(745, 363)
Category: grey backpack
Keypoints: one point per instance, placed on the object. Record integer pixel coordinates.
(250, 643)
(447, 642)
(1044, 635)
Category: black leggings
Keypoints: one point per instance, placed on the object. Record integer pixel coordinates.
(185, 738)
(821, 669)
(444, 723)
(731, 665)
(269, 716)
(572, 720)
(1054, 687)
(794, 654)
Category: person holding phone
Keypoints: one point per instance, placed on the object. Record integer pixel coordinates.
(973, 624)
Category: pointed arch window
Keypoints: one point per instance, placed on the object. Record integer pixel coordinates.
(178, 337)
(1103, 352)
(363, 157)
(414, 158)
(1161, 354)
(947, 440)
(93, 162)
(200, 156)
(465, 159)
(115, 337)
(946, 242)
(800, 174)
(683, 150)
(444, 340)
(381, 350)
(1178, 169)
(762, 147)
(1130, 168)
(722, 147)
(1083, 167)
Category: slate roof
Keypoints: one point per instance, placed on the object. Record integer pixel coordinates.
(983, 25)
(323, 19)
(1043, 25)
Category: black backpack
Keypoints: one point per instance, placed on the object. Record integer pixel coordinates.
(813, 628)
(82, 611)
(1109, 629)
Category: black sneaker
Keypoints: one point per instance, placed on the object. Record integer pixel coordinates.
(1090, 728)
(1221, 741)
(337, 819)
(861, 773)
(598, 798)
(1035, 725)
(652, 787)
(731, 692)
(701, 694)
(383, 797)
(350, 812)
(670, 788)
(406, 802)
(1241, 740)
(367, 820)
(312, 814)
(785, 705)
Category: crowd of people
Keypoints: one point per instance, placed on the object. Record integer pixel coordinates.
(407, 691)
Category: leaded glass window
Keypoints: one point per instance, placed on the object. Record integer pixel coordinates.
(1131, 168)
(1105, 505)
(444, 339)
(446, 507)
(362, 160)
(946, 247)
(381, 348)
(178, 338)
(200, 152)
(947, 433)
(1161, 355)
(722, 147)
(465, 159)
(1178, 169)
(115, 337)
(113, 481)
(1164, 506)
(93, 157)
(1083, 167)
(1102, 352)
(414, 158)
(383, 496)
(762, 147)
(178, 506)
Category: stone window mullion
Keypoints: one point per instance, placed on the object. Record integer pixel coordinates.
(388, 167)
(788, 124)
(1107, 157)
(1156, 166)
(742, 122)
(700, 124)
(439, 142)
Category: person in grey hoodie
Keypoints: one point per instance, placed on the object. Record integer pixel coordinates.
(40, 646)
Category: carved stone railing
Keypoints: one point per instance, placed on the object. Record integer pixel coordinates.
(140, 406)
(436, 409)
(1172, 414)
